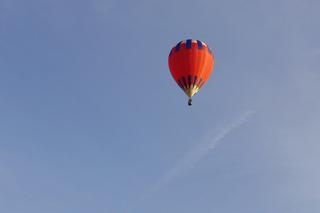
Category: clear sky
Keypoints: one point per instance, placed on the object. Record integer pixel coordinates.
(92, 121)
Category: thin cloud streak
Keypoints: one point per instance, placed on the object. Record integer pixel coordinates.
(193, 156)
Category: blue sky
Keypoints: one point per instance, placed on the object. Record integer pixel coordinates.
(91, 120)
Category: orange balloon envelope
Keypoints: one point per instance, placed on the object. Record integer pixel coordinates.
(191, 63)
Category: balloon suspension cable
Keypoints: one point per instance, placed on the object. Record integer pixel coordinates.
(190, 102)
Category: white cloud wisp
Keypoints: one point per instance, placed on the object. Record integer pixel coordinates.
(197, 153)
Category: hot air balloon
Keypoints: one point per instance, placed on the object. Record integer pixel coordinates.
(191, 63)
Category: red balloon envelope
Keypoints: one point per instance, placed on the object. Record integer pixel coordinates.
(191, 63)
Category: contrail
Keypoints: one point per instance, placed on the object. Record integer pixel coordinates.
(193, 156)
